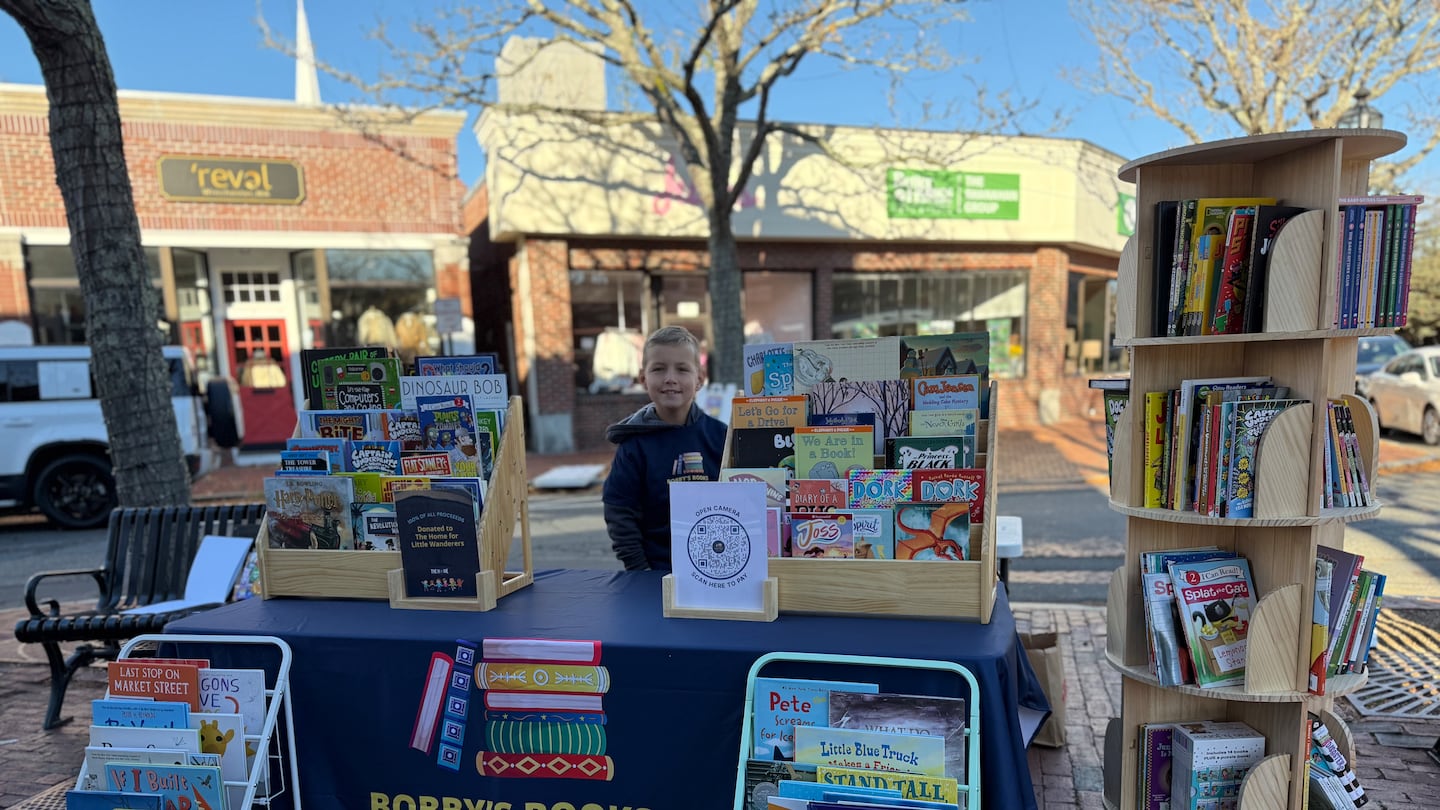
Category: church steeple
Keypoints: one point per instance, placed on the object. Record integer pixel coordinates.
(307, 79)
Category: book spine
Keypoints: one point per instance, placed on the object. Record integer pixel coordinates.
(1184, 265)
(587, 767)
(541, 650)
(1406, 255)
(422, 734)
(1374, 621)
(1392, 264)
(1226, 316)
(1363, 480)
(510, 737)
(1154, 441)
(1352, 259)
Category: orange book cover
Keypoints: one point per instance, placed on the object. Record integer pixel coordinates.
(139, 678)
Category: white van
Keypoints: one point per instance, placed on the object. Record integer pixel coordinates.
(54, 449)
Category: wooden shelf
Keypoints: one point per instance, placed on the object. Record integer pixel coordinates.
(1257, 337)
(1357, 144)
(1337, 686)
(1326, 516)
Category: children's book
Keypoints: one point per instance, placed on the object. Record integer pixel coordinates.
(818, 494)
(223, 734)
(1251, 418)
(822, 534)
(1227, 314)
(439, 548)
(773, 478)
(376, 527)
(1156, 413)
(889, 400)
(866, 419)
(178, 785)
(129, 712)
(879, 489)
(92, 771)
(874, 533)
(112, 800)
(310, 368)
(1155, 758)
(960, 392)
(783, 704)
(763, 447)
(1320, 625)
(833, 452)
(767, 412)
(428, 464)
(336, 448)
(932, 531)
(1269, 219)
(930, 716)
(360, 385)
(310, 512)
(779, 374)
(876, 750)
(954, 422)
(1208, 251)
(482, 363)
(213, 571)
(931, 452)
(911, 785)
(487, 392)
(1186, 429)
(371, 456)
(775, 541)
(167, 739)
(756, 380)
(1167, 658)
(1216, 601)
(392, 485)
(304, 462)
(366, 486)
(817, 361)
(957, 354)
(447, 425)
(946, 485)
(140, 678)
(354, 425)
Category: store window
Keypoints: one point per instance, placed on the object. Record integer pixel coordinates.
(779, 307)
(1090, 327)
(55, 300)
(392, 281)
(196, 330)
(610, 320)
(936, 303)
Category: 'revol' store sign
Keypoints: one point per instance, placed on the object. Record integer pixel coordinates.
(231, 180)
(936, 194)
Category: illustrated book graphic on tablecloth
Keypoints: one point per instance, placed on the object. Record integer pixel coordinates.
(311, 512)
(782, 704)
(931, 716)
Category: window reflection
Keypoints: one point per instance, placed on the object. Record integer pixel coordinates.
(55, 299)
(392, 281)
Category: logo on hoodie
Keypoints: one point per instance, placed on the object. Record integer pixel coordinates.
(688, 466)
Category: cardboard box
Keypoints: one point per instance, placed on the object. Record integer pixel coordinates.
(1210, 759)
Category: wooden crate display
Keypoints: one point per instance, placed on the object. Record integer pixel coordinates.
(366, 574)
(910, 588)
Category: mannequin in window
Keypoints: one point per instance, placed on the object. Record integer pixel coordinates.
(261, 371)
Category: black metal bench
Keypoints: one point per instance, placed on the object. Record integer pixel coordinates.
(147, 560)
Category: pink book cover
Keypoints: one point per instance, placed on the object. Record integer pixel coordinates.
(818, 494)
(821, 535)
(940, 486)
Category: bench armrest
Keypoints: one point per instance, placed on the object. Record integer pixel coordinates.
(53, 606)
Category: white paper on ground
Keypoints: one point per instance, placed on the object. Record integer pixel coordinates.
(212, 574)
(718, 544)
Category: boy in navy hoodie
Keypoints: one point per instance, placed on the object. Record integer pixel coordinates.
(670, 439)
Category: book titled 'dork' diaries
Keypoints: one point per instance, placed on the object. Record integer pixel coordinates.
(439, 549)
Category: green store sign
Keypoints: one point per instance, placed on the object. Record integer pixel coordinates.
(1125, 215)
(938, 194)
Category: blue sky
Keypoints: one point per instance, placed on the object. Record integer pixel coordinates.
(214, 47)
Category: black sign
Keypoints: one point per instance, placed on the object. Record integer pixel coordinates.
(229, 180)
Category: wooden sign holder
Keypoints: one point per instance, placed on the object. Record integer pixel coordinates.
(769, 611)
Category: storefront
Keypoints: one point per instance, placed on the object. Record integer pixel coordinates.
(268, 228)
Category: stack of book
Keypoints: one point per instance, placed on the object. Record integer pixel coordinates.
(823, 744)
(1198, 604)
(1333, 785)
(1372, 276)
(1347, 605)
(1346, 483)
(869, 448)
(1201, 443)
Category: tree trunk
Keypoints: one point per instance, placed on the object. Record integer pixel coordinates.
(726, 364)
(131, 378)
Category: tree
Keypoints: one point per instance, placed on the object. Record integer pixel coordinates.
(697, 74)
(131, 377)
(1271, 67)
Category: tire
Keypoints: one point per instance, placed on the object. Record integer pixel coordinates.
(76, 491)
(1430, 426)
(223, 424)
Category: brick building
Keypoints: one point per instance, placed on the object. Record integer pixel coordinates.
(592, 226)
(268, 226)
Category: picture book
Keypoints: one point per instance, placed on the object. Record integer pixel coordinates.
(366, 486)
(92, 771)
(958, 354)
(767, 412)
(763, 778)
(374, 456)
(879, 489)
(129, 712)
(310, 368)
(930, 452)
(820, 796)
(866, 419)
(821, 534)
(167, 739)
(874, 533)
(1168, 660)
(1251, 418)
(818, 361)
(487, 392)
(875, 750)
(947, 485)
(1227, 313)
(818, 494)
(178, 785)
(354, 425)
(223, 734)
(775, 524)
(1216, 600)
(779, 374)
(482, 363)
(773, 478)
(447, 425)
(304, 462)
(1186, 430)
(1154, 744)
(376, 527)
(488, 426)
(1269, 219)
(309, 512)
(955, 422)
(336, 448)
(139, 678)
(833, 452)
(1320, 625)
(360, 385)
(439, 547)
(932, 531)
(961, 392)
(237, 691)
(1210, 759)
(756, 382)
(763, 447)
(912, 786)
(783, 704)
(112, 800)
(929, 716)
(393, 485)
(889, 400)
(1156, 413)
(426, 464)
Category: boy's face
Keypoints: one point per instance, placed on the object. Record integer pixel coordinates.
(671, 377)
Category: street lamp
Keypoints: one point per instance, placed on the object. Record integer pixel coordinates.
(1362, 115)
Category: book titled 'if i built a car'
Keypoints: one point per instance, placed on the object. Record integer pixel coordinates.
(439, 549)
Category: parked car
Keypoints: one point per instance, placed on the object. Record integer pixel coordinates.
(1406, 393)
(54, 449)
(1372, 353)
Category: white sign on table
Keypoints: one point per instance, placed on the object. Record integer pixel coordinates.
(718, 544)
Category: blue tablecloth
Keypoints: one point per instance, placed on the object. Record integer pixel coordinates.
(673, 709)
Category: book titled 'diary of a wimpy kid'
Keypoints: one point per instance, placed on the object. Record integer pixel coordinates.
(783, 704)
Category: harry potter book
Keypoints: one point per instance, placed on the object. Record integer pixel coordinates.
(310, 512)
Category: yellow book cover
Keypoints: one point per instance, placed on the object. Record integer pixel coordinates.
(768, 412)
(910, 785)
(1207, 249)
(1155, 413)
(833, 451)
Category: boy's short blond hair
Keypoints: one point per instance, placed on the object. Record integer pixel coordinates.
(672, 336)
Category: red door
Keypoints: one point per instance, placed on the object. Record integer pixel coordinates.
(261, 362)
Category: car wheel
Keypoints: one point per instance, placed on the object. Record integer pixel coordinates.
(76, 491)
(1430, 426)
(224, 427)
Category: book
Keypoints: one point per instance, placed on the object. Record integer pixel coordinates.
(112, 800)
(1227, 314)
(1167, 660)
(178, 785)
(1186, 433)
(224, 736)
(1320, 625)
(889, 400)
(818, 494)
(779, 374)
(946, 485)
(930, 452)
(147, 713)
(756, 382)
(1207, 250)
(821, 534)
(92, 770)
(1269, 219)
(911, 786)
(488, 392)
(768, 412)
(773, 478)
(304, 462)
(866, 419)
(817, 361)
(876, 750)
(1181, 260)
(879, 489)
(956, 422)
(1210, 759)
(376, 527)
(763, 447)
(763, 778)
(1216, 599)
(1251, 418)
(334, 448)
(1167, 217)
(1155, 422)
(959, 353)
(833, 452)
(310, 359)
(213, 571)
(1155, 759)
(961, 392)
(359, 385)
(926, 715)
(447, 425)
(783, 704)
(436, 366)
(873, 531)
(140, 678)
(167, 739)
(932, 531)
(429, 465)
(312, 512)
(373, 456)
(439, 546)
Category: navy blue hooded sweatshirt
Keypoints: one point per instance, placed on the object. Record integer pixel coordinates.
(651, 454)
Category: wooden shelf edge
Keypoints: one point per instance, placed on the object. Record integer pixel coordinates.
(1116, 614)
(1347, 515)
(1258, 337)
(768, 612)
(1292, 286)
(1270, 643)
(1127, 289)
(1284, 451)
(1267, 786)
(1234, 694)
(1359, 144)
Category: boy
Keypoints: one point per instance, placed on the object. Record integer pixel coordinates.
(670, 439)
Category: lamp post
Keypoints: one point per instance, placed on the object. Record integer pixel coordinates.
(1362, 115)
